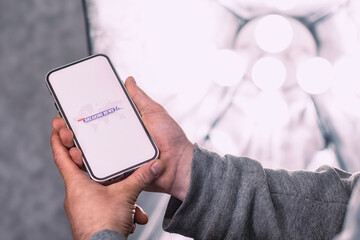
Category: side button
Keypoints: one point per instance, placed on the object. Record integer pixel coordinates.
(58, 110)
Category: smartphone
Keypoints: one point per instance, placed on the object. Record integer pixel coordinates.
(107, 127)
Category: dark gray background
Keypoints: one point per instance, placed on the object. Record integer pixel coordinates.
(35, 36)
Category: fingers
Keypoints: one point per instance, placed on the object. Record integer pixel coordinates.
(68, 169)
(142, 101)
(76, 156)
(58, 123)
(142, 177)
(140, 217)
(67, 137)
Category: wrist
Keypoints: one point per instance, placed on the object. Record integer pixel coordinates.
(95, 230)
(183, 173)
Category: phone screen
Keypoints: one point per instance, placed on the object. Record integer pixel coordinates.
(105, 123)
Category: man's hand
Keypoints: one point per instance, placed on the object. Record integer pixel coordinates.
(92, 207)
(176, 151)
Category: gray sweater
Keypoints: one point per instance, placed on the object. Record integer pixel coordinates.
(236, 198)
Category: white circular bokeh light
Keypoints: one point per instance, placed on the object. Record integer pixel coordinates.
(269, 73)
(273, 33)
(315, 75)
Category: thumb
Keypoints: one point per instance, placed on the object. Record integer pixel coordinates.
(142, 101)
(144, 176)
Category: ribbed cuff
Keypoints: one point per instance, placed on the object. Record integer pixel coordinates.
(107, 234)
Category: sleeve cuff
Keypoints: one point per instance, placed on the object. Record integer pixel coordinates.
(190, 218)
(107, 234)
(217, 183)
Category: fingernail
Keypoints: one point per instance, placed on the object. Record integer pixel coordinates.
(133, 79)
(157, 168)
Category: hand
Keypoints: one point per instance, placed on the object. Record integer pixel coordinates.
(92, 207)
(176, 151)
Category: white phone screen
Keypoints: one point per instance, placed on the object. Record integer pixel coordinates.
(105, 123)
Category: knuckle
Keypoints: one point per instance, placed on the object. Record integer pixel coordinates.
(159, 107)
(153, 108)
(66, 203)
(143, 178)
(52, 138)
(56, 159)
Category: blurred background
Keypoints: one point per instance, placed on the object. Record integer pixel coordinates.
(274, 80)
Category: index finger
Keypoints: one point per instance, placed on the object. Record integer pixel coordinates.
(58, 123)
(143, 102)
(68, 169)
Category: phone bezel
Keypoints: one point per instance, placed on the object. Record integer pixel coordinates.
(119, 174)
